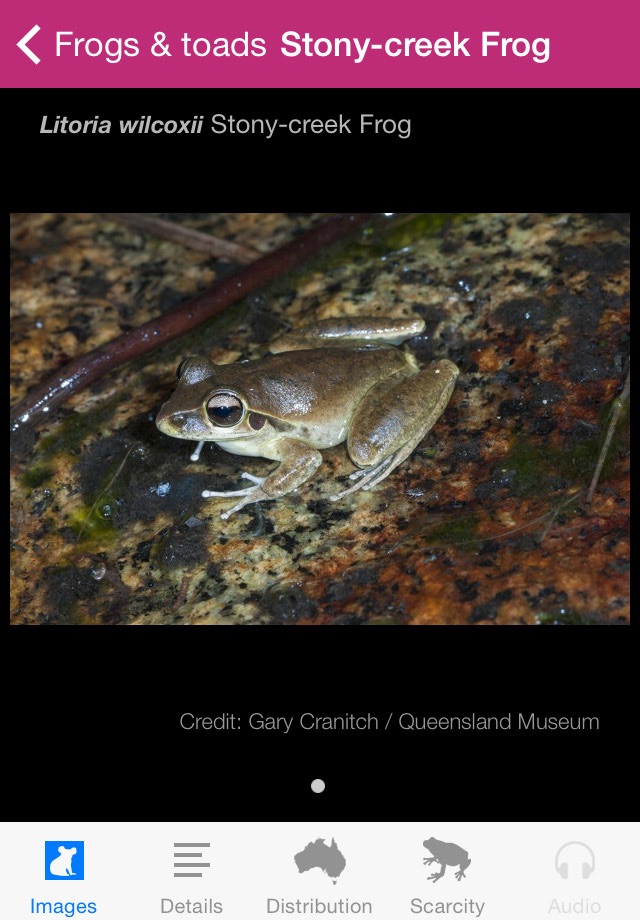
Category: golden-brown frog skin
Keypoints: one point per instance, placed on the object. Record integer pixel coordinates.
(336, 380)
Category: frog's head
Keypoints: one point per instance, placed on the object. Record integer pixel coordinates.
(201, 409)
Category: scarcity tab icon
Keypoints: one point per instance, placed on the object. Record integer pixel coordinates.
(446, 854)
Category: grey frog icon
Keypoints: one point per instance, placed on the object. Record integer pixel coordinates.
(446, 854)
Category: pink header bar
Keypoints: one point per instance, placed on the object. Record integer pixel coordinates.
(286, 43)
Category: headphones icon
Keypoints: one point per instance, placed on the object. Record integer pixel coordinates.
(587, 867)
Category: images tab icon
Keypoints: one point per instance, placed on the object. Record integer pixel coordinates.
(64, 860)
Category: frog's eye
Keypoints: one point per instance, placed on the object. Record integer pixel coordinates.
(225, 409)
(180, 368)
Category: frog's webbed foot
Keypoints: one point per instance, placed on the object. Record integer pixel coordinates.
(368, 477)
(428, 860)
(252, 494)
(460, 874)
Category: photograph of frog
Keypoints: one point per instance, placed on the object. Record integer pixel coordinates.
(320, 419)
(335, 381)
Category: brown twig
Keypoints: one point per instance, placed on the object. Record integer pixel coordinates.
(185, 236)
(613, 421)
(82, 371)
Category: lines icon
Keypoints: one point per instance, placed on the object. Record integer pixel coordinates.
(190, 852)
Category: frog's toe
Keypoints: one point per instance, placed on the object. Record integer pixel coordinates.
(195, 456)
(251, 494)
(368, 478)
(258, 480)
(358, 474)
(207, 493)
(248, 498)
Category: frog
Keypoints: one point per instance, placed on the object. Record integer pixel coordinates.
(336, 380)
(447, 854)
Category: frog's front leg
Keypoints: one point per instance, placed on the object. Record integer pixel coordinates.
(463, 865)
(297, 464)
(393, 418)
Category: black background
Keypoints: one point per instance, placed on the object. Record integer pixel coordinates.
(117, 737)
(469, 150)
(118, 732)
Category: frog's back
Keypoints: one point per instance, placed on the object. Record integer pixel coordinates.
(294, 386)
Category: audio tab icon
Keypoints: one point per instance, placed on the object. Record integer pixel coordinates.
(572, 856)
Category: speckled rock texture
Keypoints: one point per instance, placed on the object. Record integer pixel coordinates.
(485, 524)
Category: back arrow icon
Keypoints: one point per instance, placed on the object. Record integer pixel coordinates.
(22, 44)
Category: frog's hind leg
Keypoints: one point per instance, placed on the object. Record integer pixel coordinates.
(393, 418)
(344, 330)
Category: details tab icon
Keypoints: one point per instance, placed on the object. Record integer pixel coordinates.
(188, 859)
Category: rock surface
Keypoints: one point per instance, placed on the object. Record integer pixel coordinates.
(486, 523)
